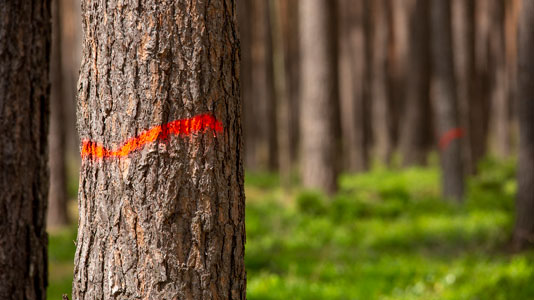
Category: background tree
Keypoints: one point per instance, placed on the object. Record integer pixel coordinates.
(318, 94)
(524, 226)
(165, 221)
(57, 198)
(24, 99)
(445, 99)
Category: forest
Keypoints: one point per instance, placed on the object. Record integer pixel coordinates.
(266, 149)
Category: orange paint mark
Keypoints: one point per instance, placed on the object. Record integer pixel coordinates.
(184, 127)
(449, 136)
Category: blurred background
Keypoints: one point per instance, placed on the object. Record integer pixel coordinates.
(380, 149)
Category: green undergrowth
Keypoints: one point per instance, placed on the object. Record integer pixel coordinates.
(386, 234)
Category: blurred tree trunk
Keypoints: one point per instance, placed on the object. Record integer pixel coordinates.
(318, 94)
(500, 100)
(380, 105)
(278, 9)
(444, 98)
(524, 226)
(263, 100)
(416, 128)
(165, 221)
(24, 95)
(351, 81)
(250, 126)
(465, 66)
(479, 106)
(57, 196)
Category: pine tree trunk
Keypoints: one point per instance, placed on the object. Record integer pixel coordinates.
(57, 198)
(380, 104)
(351, 81)
(416, 125)
(524, 226)
(24, 99)
(161, 197)
(445, 100)
(318, 94)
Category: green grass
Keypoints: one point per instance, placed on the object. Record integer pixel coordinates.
(385, 235)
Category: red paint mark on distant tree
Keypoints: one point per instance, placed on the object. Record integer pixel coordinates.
(184, 127)
(449, 136)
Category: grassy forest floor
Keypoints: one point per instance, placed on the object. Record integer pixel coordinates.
(385, 235)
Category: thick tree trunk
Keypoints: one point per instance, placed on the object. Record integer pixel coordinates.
(57, 198)
(24, 99)
(524, 226)
(445, 100)
(318, 94)
(161, 197)
(416, 125)
(351, 81)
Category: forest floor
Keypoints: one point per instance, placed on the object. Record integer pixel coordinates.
(385, 235)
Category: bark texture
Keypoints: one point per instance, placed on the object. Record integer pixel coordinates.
(524, 226)
(444, 98)
(24, 96)
(57, 214)
(166, 221)
(318, 94)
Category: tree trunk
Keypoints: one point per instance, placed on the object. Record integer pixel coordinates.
(465, 67)
(24, 99)
(318, 94)
(263, 100)
(351, 81)
(161, 197)
(57, 197)
(380, 108)
(278, 9)
(416, 126)
(444, 100)
(524, 226)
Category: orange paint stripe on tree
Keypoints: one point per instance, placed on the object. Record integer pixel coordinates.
(183, 127)
(449, 136)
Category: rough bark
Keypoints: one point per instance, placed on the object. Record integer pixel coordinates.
(351, 81)
(57, 214)
(416, 126)
(318, 94)
(524, 226)
(165, 221)
(24, 99)
(444, 98)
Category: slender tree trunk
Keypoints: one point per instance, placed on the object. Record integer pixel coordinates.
(416, 125)
(263, 100)
(445, 100)
(57, 198)
(524, 226)
(278, 8)
(24, 99)
(161, 197)
(466, 76)
(318, 94)
(381, 117)
(351, 82)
